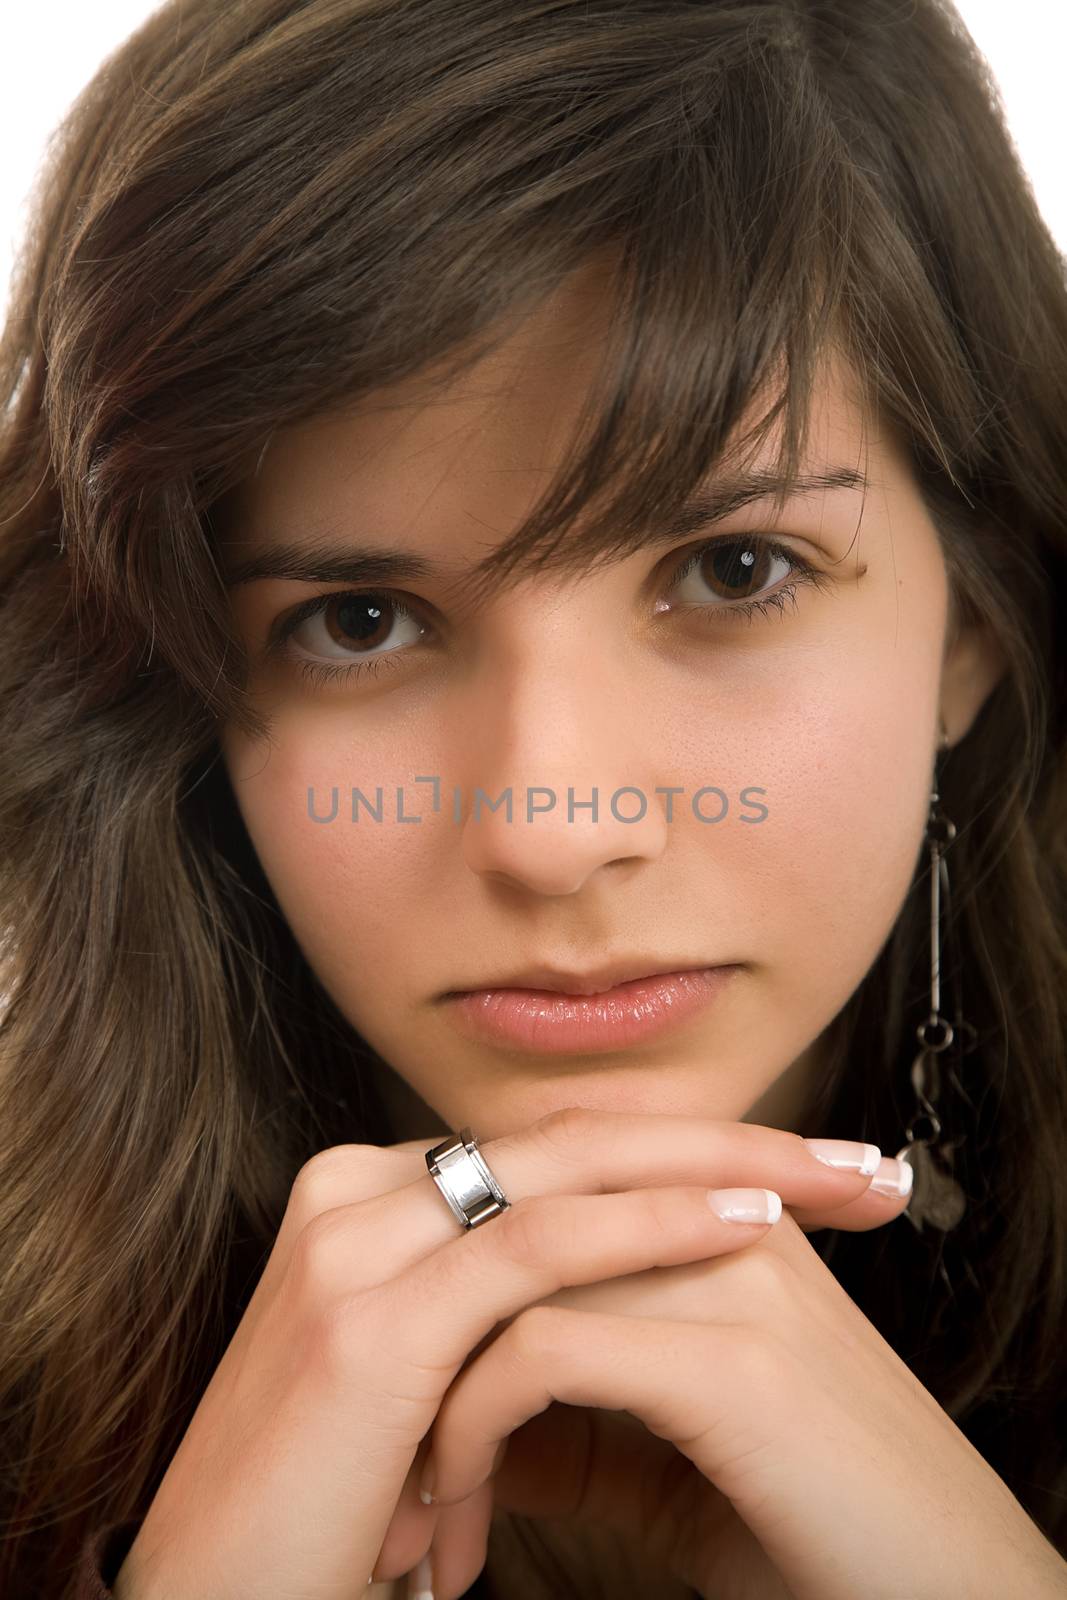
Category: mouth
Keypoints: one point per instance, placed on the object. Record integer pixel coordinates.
(599, 980)
(551, 1018)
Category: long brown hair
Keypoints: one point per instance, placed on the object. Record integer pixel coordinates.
(262, 209)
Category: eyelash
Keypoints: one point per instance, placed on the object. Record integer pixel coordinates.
(803, 572)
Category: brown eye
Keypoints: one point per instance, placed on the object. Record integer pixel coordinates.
(360, 621)
(732, 569)
(739, 578)
(736, 571)
(355, 624)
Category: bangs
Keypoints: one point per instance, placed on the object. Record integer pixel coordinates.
(684, 425)
(716, 231)
(399, 186)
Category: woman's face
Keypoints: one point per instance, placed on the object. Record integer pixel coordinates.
(630, 677)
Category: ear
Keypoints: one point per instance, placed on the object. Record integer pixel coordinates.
(973, 664)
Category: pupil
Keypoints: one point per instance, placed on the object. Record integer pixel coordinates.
(736, 567)
(362, 618)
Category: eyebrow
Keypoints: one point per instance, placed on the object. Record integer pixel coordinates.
(326, 560)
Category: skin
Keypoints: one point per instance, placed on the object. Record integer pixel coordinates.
(832, 706)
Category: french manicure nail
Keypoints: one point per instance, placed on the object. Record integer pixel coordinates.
(847, 1155)
(893, 1178)
(420, 1580)
(746, 1205)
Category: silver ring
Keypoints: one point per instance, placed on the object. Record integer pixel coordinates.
(459, 1170)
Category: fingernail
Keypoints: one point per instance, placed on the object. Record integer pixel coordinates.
(746, 1205)
(426, 1482)
(893, 1178)
(847, 1155)
(420, 1580)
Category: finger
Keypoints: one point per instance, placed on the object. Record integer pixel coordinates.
(886, 1198)
(375, 1210)
(762, 1421)
(543, 1244)
(598, 1470)
(654, 1370)
(604, 1471)
(454, 1538)
(889, 1190)
(585, 1152)
(417, 1146)
(461, 1542)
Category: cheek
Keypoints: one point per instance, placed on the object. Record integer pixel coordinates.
(346, 888)
(850, 802)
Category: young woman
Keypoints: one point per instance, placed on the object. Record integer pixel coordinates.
(531, 542)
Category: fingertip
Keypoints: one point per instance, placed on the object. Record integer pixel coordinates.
(761, 1206)
(894, 1178)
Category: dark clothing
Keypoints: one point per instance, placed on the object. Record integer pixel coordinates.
(102, 1556)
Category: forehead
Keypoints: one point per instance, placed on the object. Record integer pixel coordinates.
(506, 416)
(458, 465)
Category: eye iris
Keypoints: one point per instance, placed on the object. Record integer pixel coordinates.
(735, 569)
(362, 619)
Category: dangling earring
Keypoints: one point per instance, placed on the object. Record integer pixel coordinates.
(937, 1198)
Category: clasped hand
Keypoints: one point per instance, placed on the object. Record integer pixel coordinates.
(782, 1447)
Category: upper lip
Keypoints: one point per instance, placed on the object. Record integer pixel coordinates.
(593, 981)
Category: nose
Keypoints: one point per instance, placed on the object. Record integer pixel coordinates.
(557, 783)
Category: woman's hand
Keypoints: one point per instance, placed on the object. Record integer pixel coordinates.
(786, 1450)
(301, 1453)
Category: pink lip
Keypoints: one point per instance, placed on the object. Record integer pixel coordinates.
(545, 1020)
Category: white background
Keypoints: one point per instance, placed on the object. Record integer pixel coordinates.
(49, 49)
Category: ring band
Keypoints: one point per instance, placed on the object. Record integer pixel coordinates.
(459, 1170)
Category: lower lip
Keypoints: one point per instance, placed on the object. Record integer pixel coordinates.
(544, 1020)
